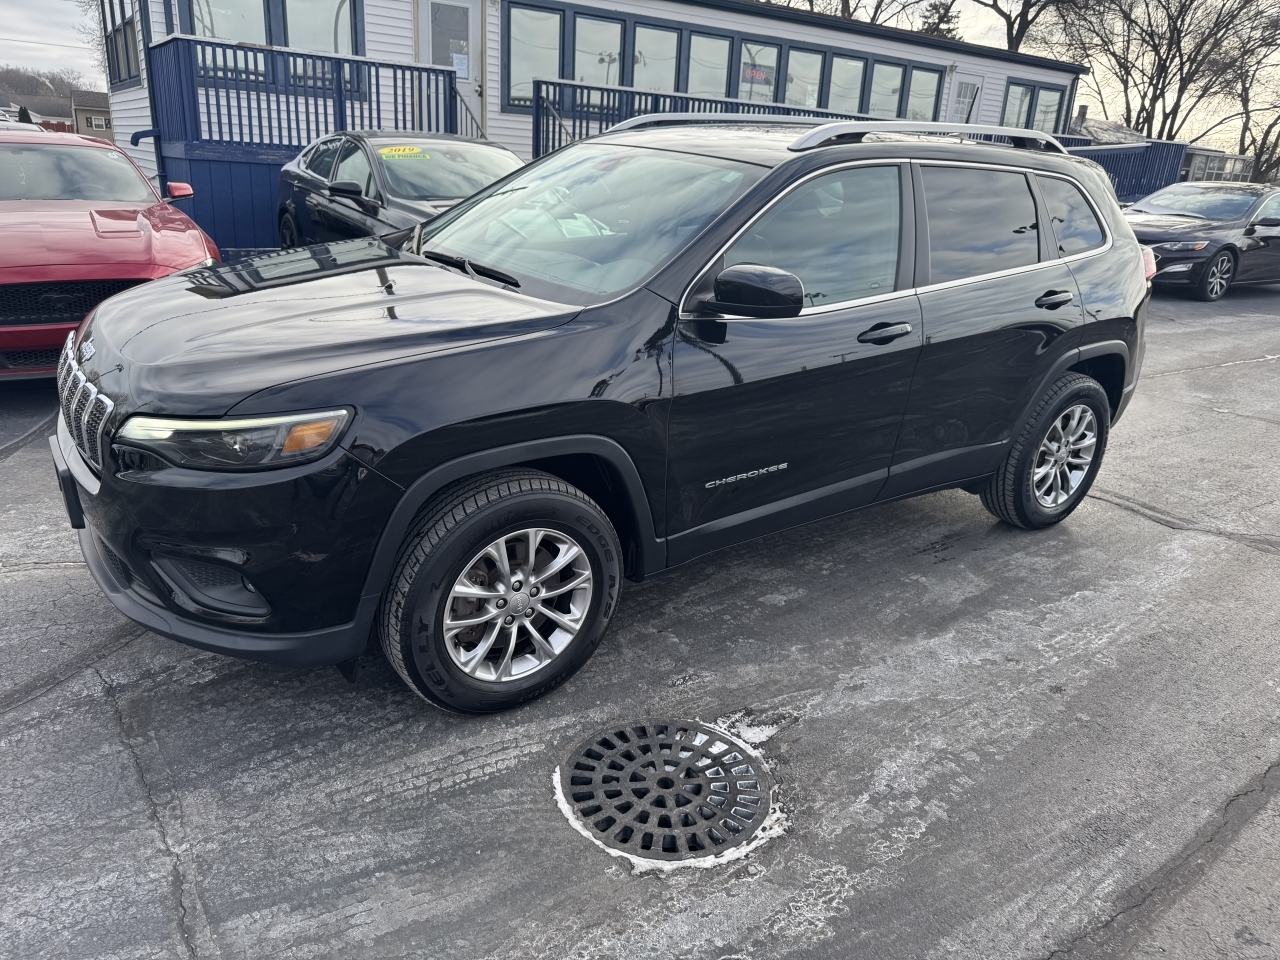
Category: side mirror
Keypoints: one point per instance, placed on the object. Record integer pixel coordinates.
(179, 191)
(754, 290)
(346, 188)
(1267, 222)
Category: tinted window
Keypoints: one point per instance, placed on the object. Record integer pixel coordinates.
(31, 171)
(320, 160)
(837, 233)
(429, 171)
(1074, 224)
(592, 219)
(1269, 209)
(354, 165)
(980, 221)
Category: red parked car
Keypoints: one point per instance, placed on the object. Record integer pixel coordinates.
(79, 222)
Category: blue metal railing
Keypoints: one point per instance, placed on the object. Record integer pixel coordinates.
(211, 91)
(564, 111)
(1137, 169)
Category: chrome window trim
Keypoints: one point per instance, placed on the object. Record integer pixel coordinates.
(1025, 268)
(684, 314)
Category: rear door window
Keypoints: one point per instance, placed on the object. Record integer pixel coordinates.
(1075, 225)
(980, 222)
(838, 233)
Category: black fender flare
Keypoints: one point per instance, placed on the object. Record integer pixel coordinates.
(652, 551)
(1064, 363)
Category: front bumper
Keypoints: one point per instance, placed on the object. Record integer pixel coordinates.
(312, 649)
(1174, 269)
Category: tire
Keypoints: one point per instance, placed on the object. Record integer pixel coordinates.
(446, 551)
(288, 232)
(1217, 277)
(1017, 493)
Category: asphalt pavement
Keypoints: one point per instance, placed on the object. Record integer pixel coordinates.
(989, 743)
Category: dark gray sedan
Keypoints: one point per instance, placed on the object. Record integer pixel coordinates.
(1207, 236)
(371, 182)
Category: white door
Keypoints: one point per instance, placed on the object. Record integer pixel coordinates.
(966, 98)
(449, 36)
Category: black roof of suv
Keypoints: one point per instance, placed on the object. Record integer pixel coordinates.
(636, 350)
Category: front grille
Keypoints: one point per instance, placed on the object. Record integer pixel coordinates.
(207, 575)
(59, 301)
(30, 358)
(83, 407)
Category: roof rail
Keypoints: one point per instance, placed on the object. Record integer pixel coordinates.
(655, 119)
(855, 130)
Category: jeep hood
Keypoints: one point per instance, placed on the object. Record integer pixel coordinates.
(198, 342)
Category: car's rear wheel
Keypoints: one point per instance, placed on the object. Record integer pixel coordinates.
(1217, 277)
(1052, 464)
(503, 588)
(288, 232)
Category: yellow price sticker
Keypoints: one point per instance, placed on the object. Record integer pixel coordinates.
(404, 153)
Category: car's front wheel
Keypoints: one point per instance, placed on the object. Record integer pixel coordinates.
(1052, 464)
(1217, 277)
(503, 588)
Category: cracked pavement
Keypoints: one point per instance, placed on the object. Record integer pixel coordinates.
(989, 742)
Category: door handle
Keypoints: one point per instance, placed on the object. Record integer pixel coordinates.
(884, 333)
(1053, 299)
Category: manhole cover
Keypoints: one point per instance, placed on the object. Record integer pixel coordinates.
(666, 790)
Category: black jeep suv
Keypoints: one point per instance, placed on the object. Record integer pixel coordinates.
(645, 346)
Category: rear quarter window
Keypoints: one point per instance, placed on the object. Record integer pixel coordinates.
(1075, 225)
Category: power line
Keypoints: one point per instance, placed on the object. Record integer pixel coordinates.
(44, 43)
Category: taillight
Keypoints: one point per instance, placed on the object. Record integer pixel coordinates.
(1148, 262)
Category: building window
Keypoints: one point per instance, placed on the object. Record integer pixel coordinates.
(234, 20)
(1048, 105)
(965, 106)
(1017, 105)
(758, 79)
(319, 26)
(98, 123)
(708, 66)
(886, 90)
(121, 40)
(533, 49)
(450, 35)
(597, 51)
(655, 59)
(922, 97)
(804, 78)
(845, 93)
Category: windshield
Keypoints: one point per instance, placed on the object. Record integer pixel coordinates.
(441, 171)
(592, 220)
(30, 171)
(1208, 203)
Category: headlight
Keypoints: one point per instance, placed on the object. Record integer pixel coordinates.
(1182, 246)
(242, 443)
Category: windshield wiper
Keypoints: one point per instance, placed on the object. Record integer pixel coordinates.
(470, 267)
(1174, 213)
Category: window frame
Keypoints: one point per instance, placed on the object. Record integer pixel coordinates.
(629, 35)
(1036, 86)
(908, 230)
(625, 55)
(824, 71)
(686, 31)
(275, 20)
(120, 35)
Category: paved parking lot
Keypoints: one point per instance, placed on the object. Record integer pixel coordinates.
(990, 743)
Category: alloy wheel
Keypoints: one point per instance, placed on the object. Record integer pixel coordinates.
(518, 605)
(1219, 278)
(1065, 455)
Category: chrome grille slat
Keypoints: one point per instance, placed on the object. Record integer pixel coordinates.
(84, 408)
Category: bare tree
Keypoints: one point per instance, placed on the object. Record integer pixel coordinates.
(90, 30)
(939, 18)
(1020, 16)
(1156, 60)
(889, 12)
(28, 82)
